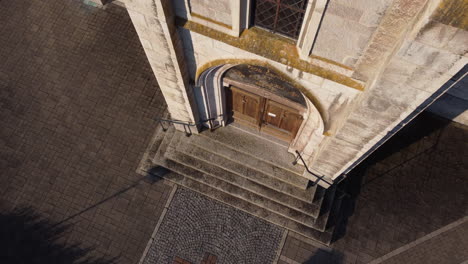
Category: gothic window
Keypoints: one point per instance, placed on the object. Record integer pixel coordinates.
(280, 16)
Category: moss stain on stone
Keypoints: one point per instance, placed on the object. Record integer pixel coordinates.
(210, 20)
(453, 13)
(270, 46)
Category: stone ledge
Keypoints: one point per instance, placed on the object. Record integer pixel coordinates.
(211, 20)
(273, 47)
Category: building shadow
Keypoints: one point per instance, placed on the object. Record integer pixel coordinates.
(154, 175)
(423, 126)
(325, 257)
(426, 127)
(27, 237)
(353, 184)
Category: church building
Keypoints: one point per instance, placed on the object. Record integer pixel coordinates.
(272, 102)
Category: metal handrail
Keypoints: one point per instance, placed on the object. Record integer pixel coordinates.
(319, 178)
(186, 125)
(176, 122)
(189, 132)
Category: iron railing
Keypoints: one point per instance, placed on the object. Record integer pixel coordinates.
(319, 178)
(188, 132)
(186, 125)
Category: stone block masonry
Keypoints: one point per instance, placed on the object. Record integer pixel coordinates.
(156, 30)
(409, 80)
(219, 10)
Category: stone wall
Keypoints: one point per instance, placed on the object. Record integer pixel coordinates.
(154, 23)
(407, 58)
(331, 97)
(217, 10)
(347, 28)
(426, 55)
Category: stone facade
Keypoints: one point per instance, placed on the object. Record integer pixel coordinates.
(417, 69)
(347, 28)
(219, 10)
(366, 67)
(156, 30)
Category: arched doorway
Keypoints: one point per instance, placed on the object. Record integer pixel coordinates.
(259, 98)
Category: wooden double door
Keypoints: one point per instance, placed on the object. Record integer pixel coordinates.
(263, 114)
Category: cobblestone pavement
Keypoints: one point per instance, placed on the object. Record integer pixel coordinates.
(415, 184)
(195, 226)
(77, 97)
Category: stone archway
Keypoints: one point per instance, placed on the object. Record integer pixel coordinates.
(212, 90)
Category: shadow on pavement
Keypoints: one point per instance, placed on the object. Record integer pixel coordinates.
(420, 127)
(325, 257)
(426, 127)
(26, 237)
(153, 176)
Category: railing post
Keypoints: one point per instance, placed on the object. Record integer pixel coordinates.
(187, 130)
(297, 157)
(161, 123)
(319, 178)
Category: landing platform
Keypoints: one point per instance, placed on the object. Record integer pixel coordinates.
(246, 140)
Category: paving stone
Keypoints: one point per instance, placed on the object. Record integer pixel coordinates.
(195, 225)
(77, 98)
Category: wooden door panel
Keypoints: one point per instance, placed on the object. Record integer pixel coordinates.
(263, 114)
(281, 121)
(251, 106)
(273, 114)
(290, 121)
(246, 107)
(237, 105)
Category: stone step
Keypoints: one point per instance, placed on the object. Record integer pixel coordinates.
(158, 157)
(325, 236)
(296, 203)
(148, 156)
(337, 215)
(236, 186)
(275, 170)
(308, 208)
(334, 216)
(179, 177)
(258, 148)
(326, 209)
(236, 191)
(186, 146)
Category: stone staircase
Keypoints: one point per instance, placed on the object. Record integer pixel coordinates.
(249, 173)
